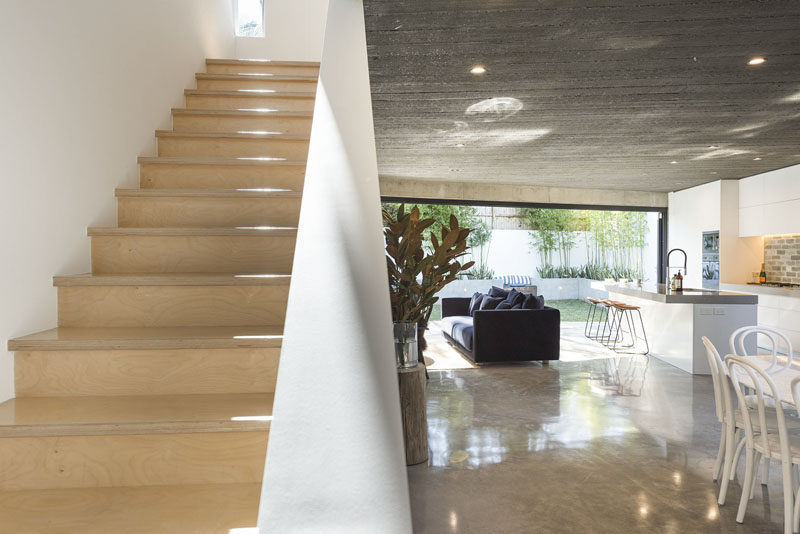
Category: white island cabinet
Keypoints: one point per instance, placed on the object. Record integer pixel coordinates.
(675, 322)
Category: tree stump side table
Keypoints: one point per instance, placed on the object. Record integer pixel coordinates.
(414, 411)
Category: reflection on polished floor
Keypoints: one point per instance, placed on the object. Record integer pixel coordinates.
(623, 444)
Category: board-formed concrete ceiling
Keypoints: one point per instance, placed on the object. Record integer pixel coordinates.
(610, 94)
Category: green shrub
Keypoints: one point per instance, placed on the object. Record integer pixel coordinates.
(590, 271)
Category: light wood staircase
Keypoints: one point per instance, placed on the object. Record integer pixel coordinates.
(148, 408)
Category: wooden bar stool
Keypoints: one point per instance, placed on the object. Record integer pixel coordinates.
(608, 326)
(624, 313)
(593, 304)
(602, 312)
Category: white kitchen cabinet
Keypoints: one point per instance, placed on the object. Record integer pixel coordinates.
(769, 203)
(751, 191)
(781, 185)
(751, 221)
(782, 218)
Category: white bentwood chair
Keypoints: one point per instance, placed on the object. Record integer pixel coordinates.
(726, 416)
(776, 339)
(732, 423)
(781, 445)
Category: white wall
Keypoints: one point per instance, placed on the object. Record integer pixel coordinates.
(85, 84)
(769, 203)
(293, 31)
(739, 257)
(335, 461)
(692, 212)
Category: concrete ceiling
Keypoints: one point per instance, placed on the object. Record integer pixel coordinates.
(595, 94)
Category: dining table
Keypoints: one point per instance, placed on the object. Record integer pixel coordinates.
(781, 375)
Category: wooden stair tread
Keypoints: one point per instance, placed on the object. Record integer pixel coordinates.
(255, 76)
(171, 279)
(219, 161)
(255, 231)
(249, 92)
(265, 62)
(150, 338)
(186, 509)
(140, 414)
(254, 192)
(234, 135)
(243, 112)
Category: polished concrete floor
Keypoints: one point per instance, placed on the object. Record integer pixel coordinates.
(606, 445)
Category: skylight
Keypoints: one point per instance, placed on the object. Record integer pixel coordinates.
(249, 18)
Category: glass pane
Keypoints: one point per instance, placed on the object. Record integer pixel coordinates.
(250, 18)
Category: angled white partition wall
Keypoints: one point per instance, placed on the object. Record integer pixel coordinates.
(335, 461)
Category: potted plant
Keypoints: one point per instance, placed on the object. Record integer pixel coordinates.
(417, 274)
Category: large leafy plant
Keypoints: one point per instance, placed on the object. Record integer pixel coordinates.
(416, 275)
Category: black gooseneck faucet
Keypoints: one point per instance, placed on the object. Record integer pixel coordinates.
(685, 259)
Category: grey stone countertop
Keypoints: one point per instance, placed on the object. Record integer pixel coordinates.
(661, 293)
(765, 290)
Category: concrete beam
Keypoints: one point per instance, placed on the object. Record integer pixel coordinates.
(392, 186)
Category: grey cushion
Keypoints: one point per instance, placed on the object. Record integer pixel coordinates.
(498, 292)
(463, 333)
(459, 328)
(490, 303)
(503, 306)
(475, 302)
(514, 297)
(533, 302)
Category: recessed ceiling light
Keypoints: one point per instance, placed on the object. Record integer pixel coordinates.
(712, 147)
(756, 159)
(713, 172)
(460, 145)
(756, 61)
(478, 69)
(673, 162)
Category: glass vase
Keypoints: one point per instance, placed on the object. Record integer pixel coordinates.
(405, 345)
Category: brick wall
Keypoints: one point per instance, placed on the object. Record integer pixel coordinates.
(782, 259)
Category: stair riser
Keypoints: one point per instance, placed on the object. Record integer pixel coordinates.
(216, 123)
(248, 102)
(190, 254)
(154, 306)
(162, 176)
(277, 85)
(131, 460)
(227, 147)
(195, 509)
(145, 372)
(263, 69)
(203, 212)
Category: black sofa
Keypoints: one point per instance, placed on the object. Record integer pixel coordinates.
(501, 335)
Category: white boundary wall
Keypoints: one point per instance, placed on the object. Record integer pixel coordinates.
(511, 253)
(550, 289)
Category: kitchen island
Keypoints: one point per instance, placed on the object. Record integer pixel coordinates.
(675, 322)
